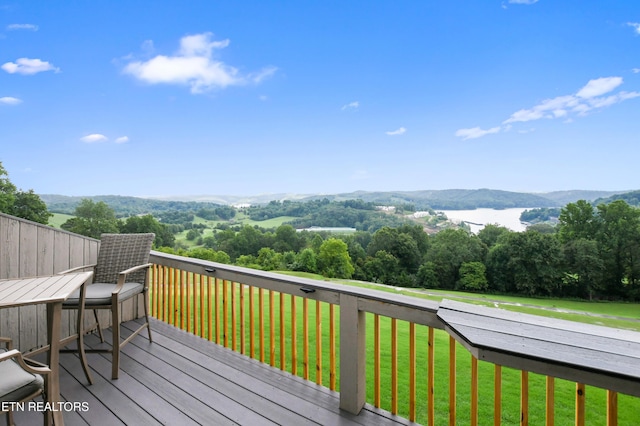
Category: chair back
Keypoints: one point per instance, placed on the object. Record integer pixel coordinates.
(122, 251)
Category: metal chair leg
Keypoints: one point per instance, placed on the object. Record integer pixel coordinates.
(80, 342)
(115, 354)
(146, 314)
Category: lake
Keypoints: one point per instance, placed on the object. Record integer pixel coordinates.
(478, 218)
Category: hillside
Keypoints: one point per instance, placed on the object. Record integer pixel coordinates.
(566, 197)
(632, 198)
(124, 206)
(449, 199)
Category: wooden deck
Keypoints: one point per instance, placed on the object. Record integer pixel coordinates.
(183, 379)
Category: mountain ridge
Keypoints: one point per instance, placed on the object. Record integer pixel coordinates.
(448, 199)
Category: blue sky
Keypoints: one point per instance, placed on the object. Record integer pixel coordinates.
(251, 97)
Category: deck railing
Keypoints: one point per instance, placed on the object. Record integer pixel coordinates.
(385, 349)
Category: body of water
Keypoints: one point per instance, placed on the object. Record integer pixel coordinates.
(479, 218)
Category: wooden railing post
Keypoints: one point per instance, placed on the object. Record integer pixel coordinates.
(353, 390)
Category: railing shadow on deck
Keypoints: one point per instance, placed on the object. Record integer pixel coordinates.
(429, 362)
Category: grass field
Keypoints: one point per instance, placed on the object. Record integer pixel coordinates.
(629, 408)
(58, 219)
(240, 219)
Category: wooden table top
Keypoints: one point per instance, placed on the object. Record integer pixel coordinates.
(45, 289)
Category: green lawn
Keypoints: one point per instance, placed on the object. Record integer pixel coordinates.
(58, 219)
(240, 219)
(629, 408)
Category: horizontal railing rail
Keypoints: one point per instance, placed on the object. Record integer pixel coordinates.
(396, 352)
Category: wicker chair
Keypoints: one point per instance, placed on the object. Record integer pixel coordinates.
(21, 379)
(119, 274)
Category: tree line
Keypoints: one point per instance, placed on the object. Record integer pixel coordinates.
(593, 251)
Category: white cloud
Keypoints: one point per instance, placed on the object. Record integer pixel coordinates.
(28, 66)
(635, 25)
(94, 137)
(587, 99)
(29, 27)
(599, 86)
(194, 65)
(525, 115)
(549, 108)
(475, 132)
(400, 131)
(351, 106)
(636, 70)
(122, 139)
(8, 100)
(523, 1)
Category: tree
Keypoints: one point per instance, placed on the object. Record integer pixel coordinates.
(92, 219)
(306, 261)
(383, 267)
(449, 250)
(192, 234)
(269, 259)
(316, 242)
(619, 239)
(30, 206)
(489, 234)
(286, 239)
(584, 267)
(543, 228)
(147, 223)
(473, 277)
(208, 254)
(499, 273)
(357, 254)
(7, 191)
(26, 205)
(248, 241)
(427, 276)
(333, 259)
(577, 220)
(401, 245)
(527, 262)
(248, 261)
(209, 242)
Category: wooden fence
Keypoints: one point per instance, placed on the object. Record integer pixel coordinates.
(32, 249)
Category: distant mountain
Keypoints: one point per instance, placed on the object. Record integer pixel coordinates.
(632, 198)
(236, 199)
(566, 197)
(122, 205)
(448, 199)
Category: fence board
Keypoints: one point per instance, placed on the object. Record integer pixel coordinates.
(28, 249)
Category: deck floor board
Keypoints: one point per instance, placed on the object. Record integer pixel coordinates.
(183, 379)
